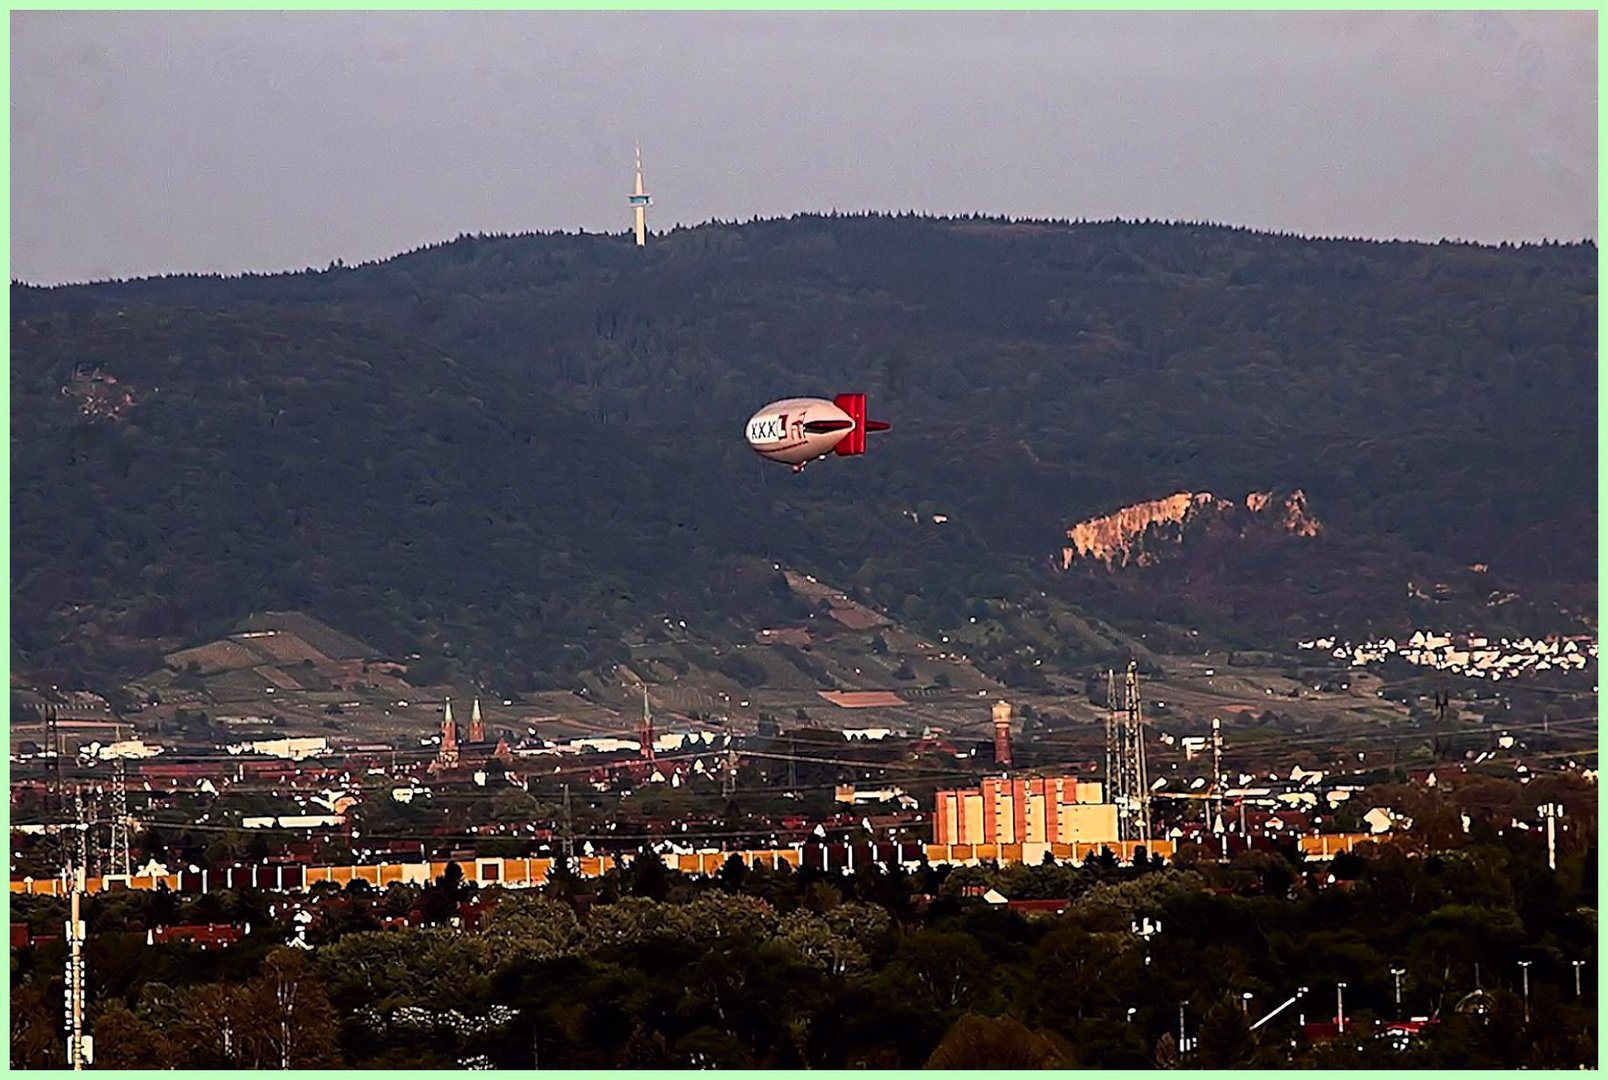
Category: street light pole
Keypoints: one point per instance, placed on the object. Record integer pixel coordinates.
(1398, 973)
(1245, 1002)
(1301, 992)
(1340, 1008)
(1578, 964)
(1524, 966)
(1551, 812)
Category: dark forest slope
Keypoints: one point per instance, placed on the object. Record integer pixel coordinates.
(520, 445)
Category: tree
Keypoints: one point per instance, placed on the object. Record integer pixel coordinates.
(711, 1048)
(439, 901)
(647, 876)
(732, 873)
(524, 927)
(1224, 1039)
(1083, 968)
(865, 924)
(948, 967)
(35, 1032)
(1114, 905)
(631, 920)
(220, 1029)
(126, 1041)
(717, 916)
(432, 967)
(983, 1042)
(293, 1014)
(647, 1050)
(820, 944)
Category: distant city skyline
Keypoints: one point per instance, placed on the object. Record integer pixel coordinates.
(224, 142)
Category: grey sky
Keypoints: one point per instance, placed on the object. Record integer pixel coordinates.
(160, 142)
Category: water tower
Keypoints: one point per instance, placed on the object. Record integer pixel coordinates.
(1002, 734)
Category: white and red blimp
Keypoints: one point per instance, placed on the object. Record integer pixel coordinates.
(799, 430)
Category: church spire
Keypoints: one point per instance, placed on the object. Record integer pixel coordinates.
(477, 727)
(449, 739)
(645, 733)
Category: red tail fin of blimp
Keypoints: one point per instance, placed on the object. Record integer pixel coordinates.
(854, 441)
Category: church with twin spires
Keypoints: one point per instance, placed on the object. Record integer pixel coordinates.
(474, 749)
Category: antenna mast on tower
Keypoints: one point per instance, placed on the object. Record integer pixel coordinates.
(77, 1050)
(77, 1042)
(640, 200)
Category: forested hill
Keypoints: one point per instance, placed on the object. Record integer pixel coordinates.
(515, 447)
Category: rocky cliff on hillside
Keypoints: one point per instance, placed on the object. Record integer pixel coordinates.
(1141, 534)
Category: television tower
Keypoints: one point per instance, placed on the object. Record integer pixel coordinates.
(640, 200)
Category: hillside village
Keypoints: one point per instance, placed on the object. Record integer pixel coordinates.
(1472, 654)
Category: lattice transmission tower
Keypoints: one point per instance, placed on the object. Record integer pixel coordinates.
(1127, 781)
(120, 861)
